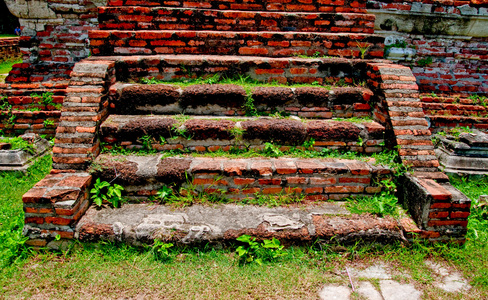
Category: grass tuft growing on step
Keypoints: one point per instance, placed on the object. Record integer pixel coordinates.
(244, 81)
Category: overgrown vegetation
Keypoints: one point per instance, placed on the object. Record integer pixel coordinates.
(17, 143)
(381, 204)
(104, 191)
(14, 185)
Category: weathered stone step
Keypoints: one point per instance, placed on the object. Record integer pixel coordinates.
(266, 5)
(232, 100)
(292, 70)
(210, 134)
(442, 122)
(143, 223)
(315, 179)
(267, 44)
(166, 18)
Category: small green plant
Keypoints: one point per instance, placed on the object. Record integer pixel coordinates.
(383, 203)
(46, 99)
(253, 251)
(308, 144)
(477, 99)
(272, 150)
(363, 49)
(249, 106)
(423, 62)
(147, 141)
(237, 133)
(48, 123)
(6, 112)
(104, 191)
(163, 193)
(160, 250)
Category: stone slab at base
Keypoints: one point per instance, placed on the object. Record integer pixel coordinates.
(455, 164)
(142, 223)
(21, 160)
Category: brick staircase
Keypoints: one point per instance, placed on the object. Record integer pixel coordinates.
(260, 40)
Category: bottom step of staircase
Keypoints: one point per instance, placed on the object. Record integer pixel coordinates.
(143, 223)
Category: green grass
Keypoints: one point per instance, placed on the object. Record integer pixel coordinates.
(114, 271)
(7, 35)
(246, 82)
(6, 66)
(14, 185)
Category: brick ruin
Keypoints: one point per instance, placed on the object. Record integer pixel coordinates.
(129, 40)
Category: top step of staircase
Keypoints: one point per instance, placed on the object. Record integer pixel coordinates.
(176, 18)
(253, 5)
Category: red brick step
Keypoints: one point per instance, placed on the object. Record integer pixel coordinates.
(210, 134)
(166, 18)
(316, 179)
(267, 44)
(266, 5)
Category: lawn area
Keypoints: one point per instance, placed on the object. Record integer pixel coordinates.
(6, 66)
(108, 270)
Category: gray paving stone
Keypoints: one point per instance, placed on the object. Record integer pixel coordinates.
(451, 282)
(368, 291)
(377, 271)
(392, 290)
(335, 292)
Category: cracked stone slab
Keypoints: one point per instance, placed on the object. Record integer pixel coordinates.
(451, 281)
(368, 291)
(335, 292)
(378, 271)
(142, 223)
(393, 290)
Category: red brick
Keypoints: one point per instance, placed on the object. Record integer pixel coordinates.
(36, 242)
(296, 180)
(285, 166)
(271, 181)
(447, 223)
(440, 205)
(263, 168)
(199, 181)
(251, 190)
(322, 180)
(271, 190)
(314, 190)
(34, 195)
(293, 190)
(244, 181)
(354, 180)
(234, 168)
(344, 189)
(59, 221)
(435, 190)
(36, 220)
(429, 234)
(438, 215)
(460, 214)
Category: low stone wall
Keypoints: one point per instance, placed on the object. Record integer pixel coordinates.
(440, 210)
(444, 42)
